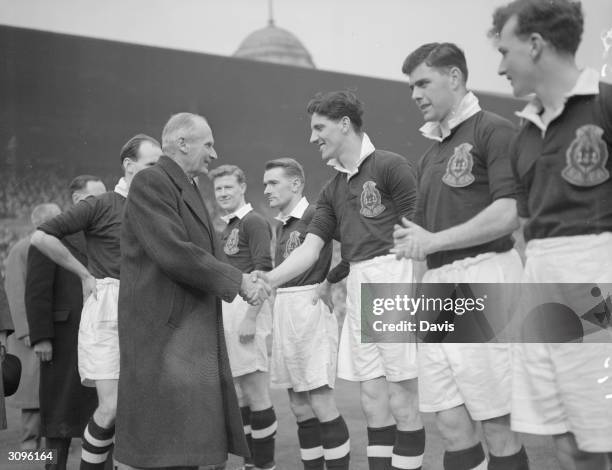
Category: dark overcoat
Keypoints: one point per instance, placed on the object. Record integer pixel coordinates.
(177, 404)
(54, 299)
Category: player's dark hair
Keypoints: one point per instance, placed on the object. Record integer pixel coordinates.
(291, 167)
(337, 104)
(443, 55)
(79, 183)
(131, 147)
(228, 170)
(560, 22)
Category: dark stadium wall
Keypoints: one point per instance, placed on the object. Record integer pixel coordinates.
(71, 102)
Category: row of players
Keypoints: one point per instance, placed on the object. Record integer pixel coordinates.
(477, 180)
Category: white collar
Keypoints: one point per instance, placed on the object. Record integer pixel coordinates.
(587, 84)
(240, 213)
(122, 187)
(297, 212)
(367, 149)
(468, 106)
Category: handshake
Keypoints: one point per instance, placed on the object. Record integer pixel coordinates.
(255, 287)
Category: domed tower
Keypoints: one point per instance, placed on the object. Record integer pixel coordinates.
(273, 44)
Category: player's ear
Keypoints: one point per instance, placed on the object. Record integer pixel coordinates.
(536, 45)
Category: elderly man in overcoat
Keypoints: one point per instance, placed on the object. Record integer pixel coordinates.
(177, 406)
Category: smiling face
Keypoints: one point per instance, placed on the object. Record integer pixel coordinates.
(516, 64)
(229, 193)
(432, 92)
(328, 135)
(279, 188)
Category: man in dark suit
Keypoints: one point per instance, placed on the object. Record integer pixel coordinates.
(54, 301)
(177, 405)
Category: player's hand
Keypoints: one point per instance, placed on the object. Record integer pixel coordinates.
(324, 294)
(411, 241)
(89, 287)
(246, 330)
(255, 288)
(44, 350)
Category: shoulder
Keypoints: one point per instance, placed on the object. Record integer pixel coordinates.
(254, 219)
(308, 214)
(387, 157)
(488, 121)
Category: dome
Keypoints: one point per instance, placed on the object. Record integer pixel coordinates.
(272, 44)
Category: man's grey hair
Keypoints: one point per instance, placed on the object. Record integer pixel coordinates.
(179, 125)
(43, 212)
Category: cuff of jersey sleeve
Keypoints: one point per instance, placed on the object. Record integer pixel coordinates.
(48, 231)
(319, 233)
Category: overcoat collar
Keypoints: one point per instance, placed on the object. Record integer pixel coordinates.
(188, 191)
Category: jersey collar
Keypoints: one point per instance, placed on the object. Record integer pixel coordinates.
(296, 213)
(367, 149)
(240, 213)
(122, 187)
(439, 131)
(587, 84)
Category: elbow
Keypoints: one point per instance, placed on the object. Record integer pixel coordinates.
(37, 238)
(511, 219)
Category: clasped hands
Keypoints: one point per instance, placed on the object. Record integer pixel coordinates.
(255, 287)
(412, 241)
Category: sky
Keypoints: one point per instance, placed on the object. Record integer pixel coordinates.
(363, 37)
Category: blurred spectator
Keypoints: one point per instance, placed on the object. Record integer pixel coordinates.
(26, 396)
(6, 328)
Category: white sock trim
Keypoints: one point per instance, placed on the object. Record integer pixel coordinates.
(265, 432)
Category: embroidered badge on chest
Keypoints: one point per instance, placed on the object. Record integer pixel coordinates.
(459, 168)
(292, 243)
(371, 201)
(586, 158)
(231, 244)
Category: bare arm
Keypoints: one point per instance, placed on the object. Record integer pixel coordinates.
(498, 219)
(54, 249)
(300, 259)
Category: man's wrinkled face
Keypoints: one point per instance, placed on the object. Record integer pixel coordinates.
(201, 149)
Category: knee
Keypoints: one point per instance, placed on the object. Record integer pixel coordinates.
(324, 406)
(500, 439)
(256, 393)
(302, 411)
(404, 404)
(458, 431)
(376, 409)
(106, 412)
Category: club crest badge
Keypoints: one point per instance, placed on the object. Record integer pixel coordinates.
(292, 243)
(459, 168)
(586, 158)
(231, 244)
(371, 205)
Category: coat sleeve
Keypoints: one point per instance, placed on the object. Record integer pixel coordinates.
(39, 295)
(6, 323)
(152, 213)
(15, 287)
